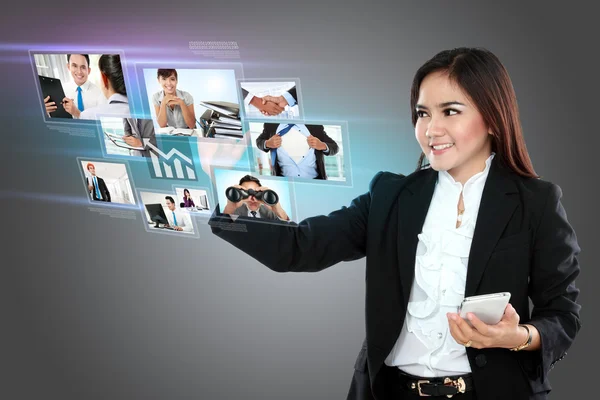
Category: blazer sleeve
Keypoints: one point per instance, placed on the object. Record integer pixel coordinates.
(331, 144)
(312, 245)
(270, 214)
(552, 288)
(262, 138)
(292, 93)
(105, 189)
(127, 127)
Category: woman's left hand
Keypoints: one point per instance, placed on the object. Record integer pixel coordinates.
(505, 334)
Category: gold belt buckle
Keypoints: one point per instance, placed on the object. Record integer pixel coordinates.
(459, 384)
(419, 387)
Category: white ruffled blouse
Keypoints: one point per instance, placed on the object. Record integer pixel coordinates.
(425, 346)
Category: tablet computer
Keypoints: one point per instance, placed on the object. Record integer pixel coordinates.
(53, 87)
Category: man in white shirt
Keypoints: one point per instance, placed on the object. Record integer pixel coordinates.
(177, 219)
(80, 93)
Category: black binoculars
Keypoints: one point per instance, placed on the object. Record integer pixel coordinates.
(234, 195)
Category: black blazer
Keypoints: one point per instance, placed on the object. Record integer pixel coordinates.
(522, 244)
(103, 190)
(318, 131)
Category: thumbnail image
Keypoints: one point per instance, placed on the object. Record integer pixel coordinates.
(193, 200)
(298, 151)
(127, 136)
(194, 102)
(277, 100)
(163, 213)
(81, 86)
(244, 195)
(107, 182)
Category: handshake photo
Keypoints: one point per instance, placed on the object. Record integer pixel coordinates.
(269, 105)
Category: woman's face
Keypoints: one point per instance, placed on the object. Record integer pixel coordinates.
(168, 85)
(450, 129)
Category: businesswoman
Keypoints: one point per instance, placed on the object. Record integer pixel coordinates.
(173, 107)
(475, 220)
(187, 199)
(112, 84)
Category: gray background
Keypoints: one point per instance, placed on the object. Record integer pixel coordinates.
(96, 308)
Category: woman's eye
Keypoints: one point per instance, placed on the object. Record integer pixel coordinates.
(421, 114)
(450, 112)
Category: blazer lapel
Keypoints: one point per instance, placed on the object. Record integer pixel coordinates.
(413, 206)
(495, 210)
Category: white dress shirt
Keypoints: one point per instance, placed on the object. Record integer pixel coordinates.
(295, 145)
(117, 106)
(425, 346)
(254, 216)
(183, 220)
(91, 94)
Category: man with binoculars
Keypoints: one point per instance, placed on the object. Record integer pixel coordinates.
(255, 204)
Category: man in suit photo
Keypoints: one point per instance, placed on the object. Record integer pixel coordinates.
(252, 207)
(178, 220)
(297, 150)
(97, 187)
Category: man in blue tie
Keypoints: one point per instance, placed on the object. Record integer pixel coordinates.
(80, 93)
(303, 157)
(177, 219)
(96, 186)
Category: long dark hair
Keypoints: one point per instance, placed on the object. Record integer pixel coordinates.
(110, 66)
(481, 75)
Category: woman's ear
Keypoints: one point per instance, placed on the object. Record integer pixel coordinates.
(104, 80)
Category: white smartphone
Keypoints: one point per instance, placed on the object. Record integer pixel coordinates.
(489, 308)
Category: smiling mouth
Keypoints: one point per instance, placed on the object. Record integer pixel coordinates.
(442, 146)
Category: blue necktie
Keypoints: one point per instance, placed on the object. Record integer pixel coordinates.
(98, 195)
(280, 133)
(174, 218)
(79, 99)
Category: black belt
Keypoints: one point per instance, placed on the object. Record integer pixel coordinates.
(439, 386)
